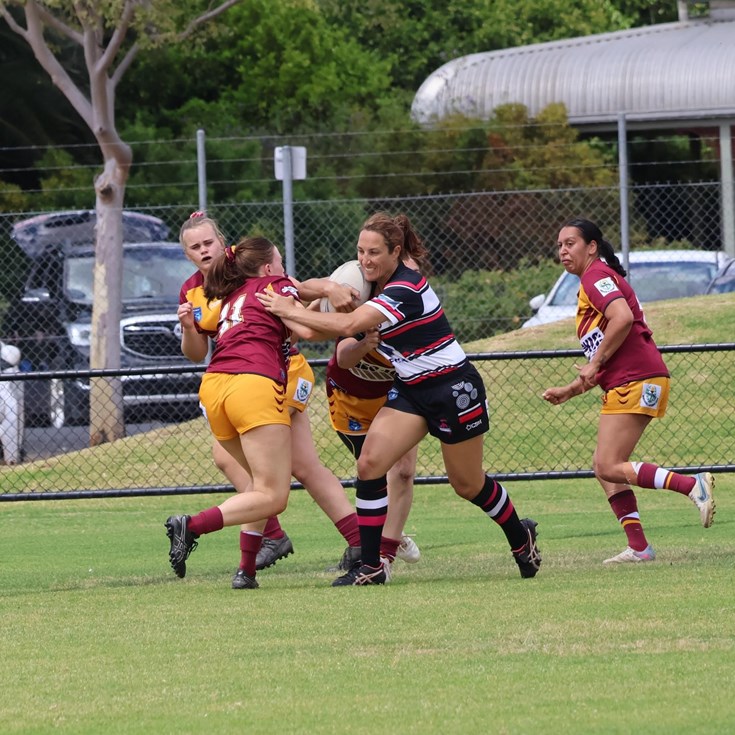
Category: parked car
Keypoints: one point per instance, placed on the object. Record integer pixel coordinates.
(655, 275)
(51, 320)
(724, 280)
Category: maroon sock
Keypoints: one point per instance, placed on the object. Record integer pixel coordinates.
(625, 507)
(654, 477)
(273, 528)
(207, 521)
(250, 542)
(389, 547)
(349, 529)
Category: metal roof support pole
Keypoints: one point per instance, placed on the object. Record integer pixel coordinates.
(623, 186)
(201, 170)
(728, 191)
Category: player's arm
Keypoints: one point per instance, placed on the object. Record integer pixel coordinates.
(340, 296)
(351, 350)
(194, 344)
(300, 330)
(560, 394)
(330, 324)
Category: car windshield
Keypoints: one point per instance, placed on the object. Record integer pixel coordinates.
(651, 281)
(152, 272)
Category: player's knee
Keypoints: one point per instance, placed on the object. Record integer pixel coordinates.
(604, 470)
(367, 468)
(403, 476)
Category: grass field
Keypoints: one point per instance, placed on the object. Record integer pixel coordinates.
(98, 636)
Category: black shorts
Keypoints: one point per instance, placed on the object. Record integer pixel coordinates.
(454, 408)
(353, 442)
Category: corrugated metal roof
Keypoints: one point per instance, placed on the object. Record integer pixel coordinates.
(667, 71)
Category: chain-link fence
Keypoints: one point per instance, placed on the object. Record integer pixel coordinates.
(529, 438)
(490, 253)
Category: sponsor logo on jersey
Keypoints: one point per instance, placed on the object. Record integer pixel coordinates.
(197, 313)
(388, 301)
(290, 291)
(651, 395)
(606, 286)
(354, 424)
(591, 341)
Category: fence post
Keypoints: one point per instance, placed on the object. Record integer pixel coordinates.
(289, 164)
(201, 171)
(623, 179)
(726, 174)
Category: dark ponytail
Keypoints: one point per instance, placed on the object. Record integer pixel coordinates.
(591, 232)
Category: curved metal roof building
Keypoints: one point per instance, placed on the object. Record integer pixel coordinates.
(672, 71)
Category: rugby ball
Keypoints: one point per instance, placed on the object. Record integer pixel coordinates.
(349, 274)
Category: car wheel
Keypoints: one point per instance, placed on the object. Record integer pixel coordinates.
(57, 408)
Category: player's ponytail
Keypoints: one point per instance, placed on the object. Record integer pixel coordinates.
(228, 272)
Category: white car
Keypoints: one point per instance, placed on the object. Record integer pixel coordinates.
(654, 274)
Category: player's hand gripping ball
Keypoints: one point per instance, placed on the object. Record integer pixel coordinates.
(349, 274)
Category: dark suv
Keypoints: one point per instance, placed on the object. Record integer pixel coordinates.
(51, 321)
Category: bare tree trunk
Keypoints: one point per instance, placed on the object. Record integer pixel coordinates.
(106, 401)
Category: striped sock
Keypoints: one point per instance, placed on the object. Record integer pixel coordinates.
(657, 478)
(494, 500)
(625, 507)
(371, 503)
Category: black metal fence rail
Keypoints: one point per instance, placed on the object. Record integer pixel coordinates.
(528, 440)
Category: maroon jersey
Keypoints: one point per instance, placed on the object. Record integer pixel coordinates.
(372, 377)
(638, 357)
(250, 339)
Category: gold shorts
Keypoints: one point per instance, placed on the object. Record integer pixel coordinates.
(300, 383)
(649, 397)
(351, 415)
(236, 403)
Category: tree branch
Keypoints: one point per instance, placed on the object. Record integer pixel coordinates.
(123, 66)
(121, 30)
(33, 34)
(204, 18)
(11, 22)
(60, 27)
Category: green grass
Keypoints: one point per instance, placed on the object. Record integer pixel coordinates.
(99, 636)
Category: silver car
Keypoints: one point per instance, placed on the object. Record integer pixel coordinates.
(654, 274)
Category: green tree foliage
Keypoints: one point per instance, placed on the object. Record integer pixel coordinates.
(280, 67)
(419, 36)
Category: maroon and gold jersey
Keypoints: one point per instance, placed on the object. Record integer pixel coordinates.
(206, 316)
(372, 377)
(250, 339)
(638, 357)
